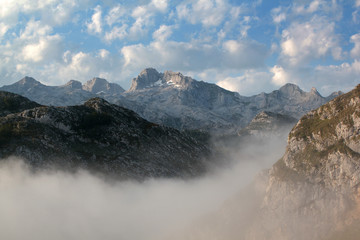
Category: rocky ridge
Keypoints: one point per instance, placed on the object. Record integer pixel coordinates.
(101, 137)
(71, 93)
(13, 103)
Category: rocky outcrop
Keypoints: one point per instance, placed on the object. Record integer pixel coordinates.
(100, 137)
(268, 124)
(147, 78)
(314, 189)
(312, 192)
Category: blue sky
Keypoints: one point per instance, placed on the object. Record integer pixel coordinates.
(244, 46)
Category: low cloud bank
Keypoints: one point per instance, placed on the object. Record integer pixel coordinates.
(60, 205)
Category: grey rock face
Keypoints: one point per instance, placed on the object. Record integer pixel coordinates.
(100, 137)
(313, 190)
(267, 124)
(100, 85)
(148, 77)
(72, 85)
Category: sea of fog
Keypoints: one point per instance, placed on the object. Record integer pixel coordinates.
(60, 205)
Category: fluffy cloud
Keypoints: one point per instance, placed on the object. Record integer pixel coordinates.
(195, 56)
(278, 15)
(95, 26)
(334, 77)
(250, 83)
(355, 52)
(115, 14)
(280, 76)
(311, 8)
(303, 42)
(357, 3)
(160, 5)
(3, 29)
(163, 33)
(118, 32)
(53, 12)
(45, 49)
(207, 12)
(132, 24)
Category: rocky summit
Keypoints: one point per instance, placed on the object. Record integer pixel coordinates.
(97, 136)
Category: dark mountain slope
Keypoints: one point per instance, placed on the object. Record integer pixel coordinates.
(102, 137)
(12, 103)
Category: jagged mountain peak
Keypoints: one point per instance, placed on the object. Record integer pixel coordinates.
(290, 88)
(149, 72)
(28, 82)
(73, 84)
(94, 84)
(150, 77)
(176, 78)
(314, 91)
(98, 85)
(147, 77)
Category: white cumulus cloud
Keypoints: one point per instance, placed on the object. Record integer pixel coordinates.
(185, 56)
(280, 76)
(249, 83)
(207, 12)
(163, 33)
(355, 52)
(95, 26)
(115, 14)
(303, 42)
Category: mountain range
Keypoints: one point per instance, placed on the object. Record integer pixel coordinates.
(178, 101)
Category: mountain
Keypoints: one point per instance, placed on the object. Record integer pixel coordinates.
(71, 93)
(100, 85)
(12, 103)
(179, 101)
(312, 192)
(100, 137)
(316, 183)
(268, 123)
